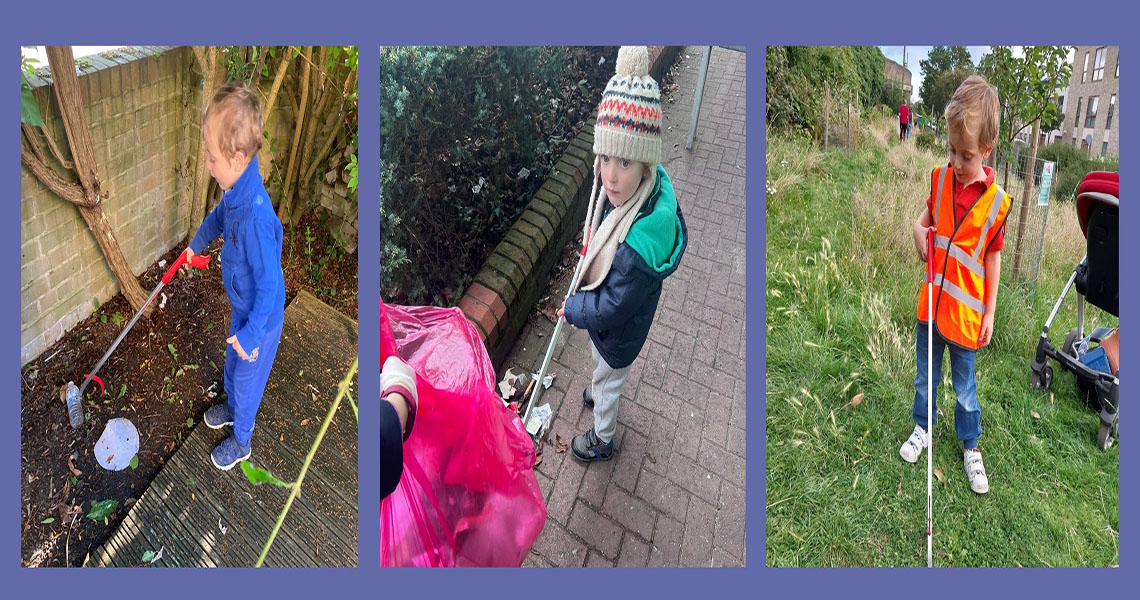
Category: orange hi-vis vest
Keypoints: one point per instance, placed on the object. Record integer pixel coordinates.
(959, 259)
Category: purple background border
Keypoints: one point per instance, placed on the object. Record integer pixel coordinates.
(373, 24)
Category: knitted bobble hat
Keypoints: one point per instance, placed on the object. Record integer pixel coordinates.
(629, 116)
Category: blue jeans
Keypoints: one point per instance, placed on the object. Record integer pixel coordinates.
(245, 380)
(967, 412)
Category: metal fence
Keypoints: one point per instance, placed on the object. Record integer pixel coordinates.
(1028, 214)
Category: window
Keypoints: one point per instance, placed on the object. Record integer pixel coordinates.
(1111, 110)
(1077, 121)
(1090, 116)
(1103, 149)
(1085, 70)
(1098, 65)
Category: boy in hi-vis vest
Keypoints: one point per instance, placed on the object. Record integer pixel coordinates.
(967, 212)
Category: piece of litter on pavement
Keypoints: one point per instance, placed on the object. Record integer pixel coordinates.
(539, 420)
(162, 263)
(221, 528)
(507, 385)
(162, 304)
(546, 381)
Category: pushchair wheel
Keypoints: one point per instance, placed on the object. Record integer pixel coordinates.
(1106, 435)
(1042, 380)
(1070, 342)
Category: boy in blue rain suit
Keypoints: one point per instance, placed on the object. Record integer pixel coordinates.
(251, 264)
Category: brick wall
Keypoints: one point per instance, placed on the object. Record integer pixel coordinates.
(515, 275)
(143, 110)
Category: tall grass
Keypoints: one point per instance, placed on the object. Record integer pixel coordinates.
(842, 284)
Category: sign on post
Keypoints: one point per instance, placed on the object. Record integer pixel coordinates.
(1046, 183)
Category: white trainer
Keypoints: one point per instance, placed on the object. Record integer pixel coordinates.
(976, 471)
(912, 447)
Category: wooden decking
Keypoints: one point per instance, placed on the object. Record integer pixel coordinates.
(189, 503)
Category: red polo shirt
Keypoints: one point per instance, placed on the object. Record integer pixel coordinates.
(904, 113)
(964, 196)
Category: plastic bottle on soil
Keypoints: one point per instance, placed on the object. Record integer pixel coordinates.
(74, 405)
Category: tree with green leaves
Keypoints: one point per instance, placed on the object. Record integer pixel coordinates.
(943, 70)
(1026, 86)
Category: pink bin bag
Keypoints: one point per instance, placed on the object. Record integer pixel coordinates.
(468, 495)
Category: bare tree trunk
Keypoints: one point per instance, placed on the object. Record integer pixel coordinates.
(286, 58)
(290, 172)
(1030, 170)
(212, 72)
(66, 85)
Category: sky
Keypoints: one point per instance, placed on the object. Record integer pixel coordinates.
(38, 52)
(917, 53)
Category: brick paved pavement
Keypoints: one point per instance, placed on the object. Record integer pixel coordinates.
(674, 494)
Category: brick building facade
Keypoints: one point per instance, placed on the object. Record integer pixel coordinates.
(1091, 108)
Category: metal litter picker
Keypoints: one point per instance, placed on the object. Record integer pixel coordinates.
(534, 396)
(929, 397)
(75, 396)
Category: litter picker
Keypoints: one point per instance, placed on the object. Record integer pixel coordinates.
(534, 396)
(929, 397)
(75, 397)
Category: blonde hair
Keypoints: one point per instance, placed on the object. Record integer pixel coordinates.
(975, 110)
(236, 112)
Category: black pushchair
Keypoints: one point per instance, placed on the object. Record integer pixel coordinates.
(1097, 279)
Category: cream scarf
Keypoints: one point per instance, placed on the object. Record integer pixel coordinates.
(608, 234)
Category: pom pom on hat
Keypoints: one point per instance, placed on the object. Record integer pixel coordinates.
(632, 61)
(629, 115)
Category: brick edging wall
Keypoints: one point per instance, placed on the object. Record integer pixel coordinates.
(515, 275)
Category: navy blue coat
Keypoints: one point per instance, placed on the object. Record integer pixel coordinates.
(619, 312)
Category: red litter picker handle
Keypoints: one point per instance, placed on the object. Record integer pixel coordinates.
(930, 255)
(199, 261)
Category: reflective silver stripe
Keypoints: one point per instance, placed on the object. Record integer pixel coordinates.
(967, 261)
(960, 295)
(960, 255)
(999, 199)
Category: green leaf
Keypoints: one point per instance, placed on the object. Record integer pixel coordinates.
(212, 365)
(96, 301)
(135, 461)
(173, 352)
(48, 520)
(117, 319)
(190, 421)
(74, 481)
(209, 325)
(355, 412)
(122, 392)
(258, 476)
(103, 318)
(29, 108)
(148, 556)
(101, 509)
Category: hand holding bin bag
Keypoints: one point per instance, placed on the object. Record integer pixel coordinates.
(468, 495)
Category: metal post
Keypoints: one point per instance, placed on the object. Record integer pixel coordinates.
(697, 100)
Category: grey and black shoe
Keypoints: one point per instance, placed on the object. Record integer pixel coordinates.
(587, 399)
(218, 416)
(587, 447)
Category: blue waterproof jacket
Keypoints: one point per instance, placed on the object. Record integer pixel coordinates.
(619, 312)
(251, 257)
